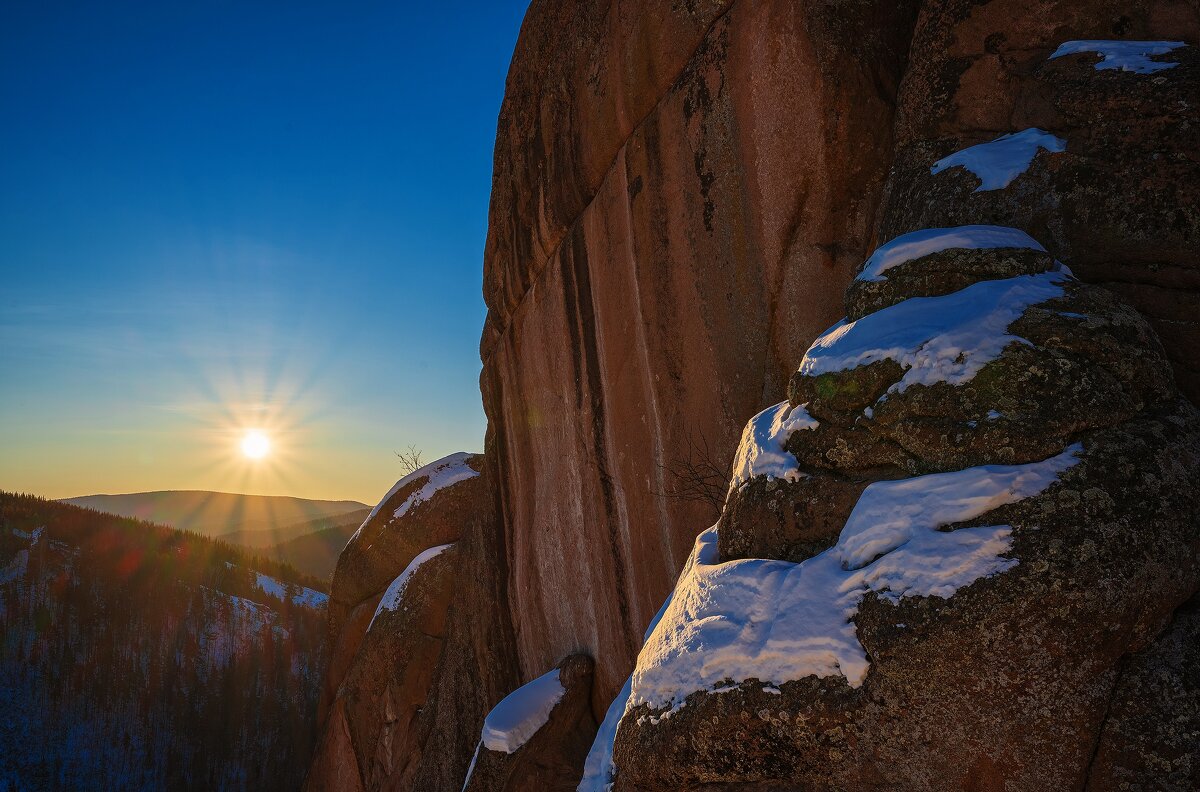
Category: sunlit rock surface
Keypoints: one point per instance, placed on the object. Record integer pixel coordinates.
(682, 194)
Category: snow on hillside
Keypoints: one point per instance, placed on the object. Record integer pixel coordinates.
(16, 566)
(306, 597)
(236, 629)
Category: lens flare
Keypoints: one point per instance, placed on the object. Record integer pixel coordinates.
(255, 445)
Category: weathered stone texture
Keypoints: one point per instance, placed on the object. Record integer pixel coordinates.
(1122, 203)
(1040, 677)
(404, 696)
(551, 759)
(716, 245)
(682, 192)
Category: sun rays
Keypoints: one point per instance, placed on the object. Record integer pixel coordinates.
(255, 445)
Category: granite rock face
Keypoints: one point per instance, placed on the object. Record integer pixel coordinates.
(420, 635)
(683, 195)
(1044, 671)
(405, 524)
(682, 192)
(1122, 202)
(550, 759)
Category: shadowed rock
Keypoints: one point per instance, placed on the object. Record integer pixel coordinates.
(551, 758)
(1026, 676)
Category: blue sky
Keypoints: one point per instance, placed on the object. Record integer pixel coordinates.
(218, 216)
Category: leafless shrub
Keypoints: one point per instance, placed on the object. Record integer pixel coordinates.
(410, 460)
(698, 474)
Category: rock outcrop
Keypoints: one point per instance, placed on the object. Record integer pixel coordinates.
(407, 591)
(1121, 203)
(921, 643)
(953, 558)
(681, 193)
(538, 736)
(1002, 198)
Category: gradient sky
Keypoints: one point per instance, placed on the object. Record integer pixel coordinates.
(222, 215)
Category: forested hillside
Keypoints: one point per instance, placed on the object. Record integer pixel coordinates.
(135, 656)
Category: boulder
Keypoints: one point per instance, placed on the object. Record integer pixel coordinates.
(478, 666)
(1121, 202)
(537, 737)
(393, 632)
(388, 683)
(1003, 685)
(426, 508)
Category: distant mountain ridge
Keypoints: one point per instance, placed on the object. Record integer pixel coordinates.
(276, 536)
(269, 518)
(316, 552)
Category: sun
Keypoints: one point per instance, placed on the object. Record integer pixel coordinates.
(255, 445)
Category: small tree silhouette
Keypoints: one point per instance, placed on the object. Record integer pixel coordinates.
(698, 475)
(410, 460)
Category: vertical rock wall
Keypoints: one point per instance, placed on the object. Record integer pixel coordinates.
(681, 194)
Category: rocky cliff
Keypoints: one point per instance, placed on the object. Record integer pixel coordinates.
(976, 501)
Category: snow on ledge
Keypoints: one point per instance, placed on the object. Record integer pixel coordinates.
(521, 713)
(761, 451)
(395, 592)
(998, 162)
(927, 241)
(776, 621)
(948, 338)
(599, 770)
(442, 473)
(1130, 56)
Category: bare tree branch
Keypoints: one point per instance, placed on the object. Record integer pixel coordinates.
(410, 460)
(698, 475)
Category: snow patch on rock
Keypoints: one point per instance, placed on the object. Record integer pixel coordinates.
(776, 621)
(394, 596)
(1130, 56)
(471, 767)
(761, 451)
(948, 338)
(998, 162)
(599, 770)
(521, 713)
(441, 474)
(927, 241)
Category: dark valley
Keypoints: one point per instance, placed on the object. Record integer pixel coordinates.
(137, 656)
